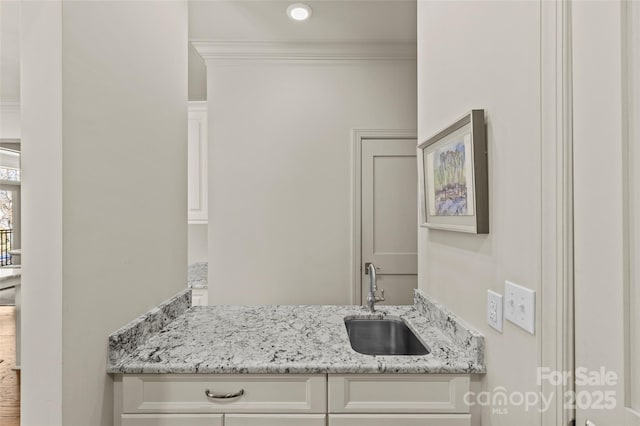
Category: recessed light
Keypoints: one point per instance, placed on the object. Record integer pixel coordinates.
(299, 11)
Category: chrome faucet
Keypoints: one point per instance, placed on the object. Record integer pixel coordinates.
(373, 287)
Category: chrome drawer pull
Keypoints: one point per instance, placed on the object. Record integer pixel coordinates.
(223, 395)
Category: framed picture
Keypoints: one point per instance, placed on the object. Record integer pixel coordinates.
(453, 178)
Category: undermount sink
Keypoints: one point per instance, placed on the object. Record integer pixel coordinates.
(383, 337)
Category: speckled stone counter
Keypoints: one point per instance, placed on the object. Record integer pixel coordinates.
(9, 277)
(197, 276)
(10, 273)
(295, 339)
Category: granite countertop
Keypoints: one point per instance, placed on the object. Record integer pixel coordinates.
(197, 276)
(10, 274)
(286, 339)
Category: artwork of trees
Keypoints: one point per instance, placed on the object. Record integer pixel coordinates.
(450, 181)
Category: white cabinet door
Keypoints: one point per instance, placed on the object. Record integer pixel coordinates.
(398, 393)
(171, 420)
(274, 420)
(197, 162)
(399, 420)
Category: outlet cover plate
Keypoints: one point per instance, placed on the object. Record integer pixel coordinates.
(520, 306)
(494, 310)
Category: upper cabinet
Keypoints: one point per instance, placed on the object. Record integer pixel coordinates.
(197, 162)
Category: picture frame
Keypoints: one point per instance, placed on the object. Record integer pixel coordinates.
(453, 178)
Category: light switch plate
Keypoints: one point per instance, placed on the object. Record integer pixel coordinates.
(494, 310)
(520, 306)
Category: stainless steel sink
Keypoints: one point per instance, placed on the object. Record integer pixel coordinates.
(383, 337)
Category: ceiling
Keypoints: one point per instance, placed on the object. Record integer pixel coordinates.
(266, 20)
(255, 20)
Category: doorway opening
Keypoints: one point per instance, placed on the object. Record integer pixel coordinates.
(385, 218)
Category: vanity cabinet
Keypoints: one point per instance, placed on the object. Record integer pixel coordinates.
(291, 400)
(197, 163)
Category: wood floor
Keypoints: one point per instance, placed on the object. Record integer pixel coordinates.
(9, 378)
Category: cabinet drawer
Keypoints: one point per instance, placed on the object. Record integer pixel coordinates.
(274, 420)
(398, 393)
(172, 393)
(400, 420)
(171, 420)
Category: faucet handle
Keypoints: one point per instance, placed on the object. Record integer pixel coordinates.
(366, 267)
(381, 297)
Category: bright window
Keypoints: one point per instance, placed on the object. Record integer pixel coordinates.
(9, 204)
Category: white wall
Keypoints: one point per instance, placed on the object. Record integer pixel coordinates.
(197, 243)
(9, 70)
(197, 76)
(634, 204)
(41, 81)
(487, 55)
(280, 197)
(604, 224)
(9, 120)
(103, 243)
(10, 51)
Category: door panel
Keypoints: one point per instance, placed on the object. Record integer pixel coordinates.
(197, 163)
(389, 216)
(394, 233)
(398, 289)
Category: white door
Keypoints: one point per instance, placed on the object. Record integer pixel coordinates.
(606, 126)
(389, 217)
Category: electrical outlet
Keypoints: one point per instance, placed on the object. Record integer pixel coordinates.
(494, 310)
(520, 306)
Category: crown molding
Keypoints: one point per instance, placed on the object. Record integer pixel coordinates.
(307, 50)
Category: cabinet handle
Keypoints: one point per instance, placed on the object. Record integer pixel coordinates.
(223, 395)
